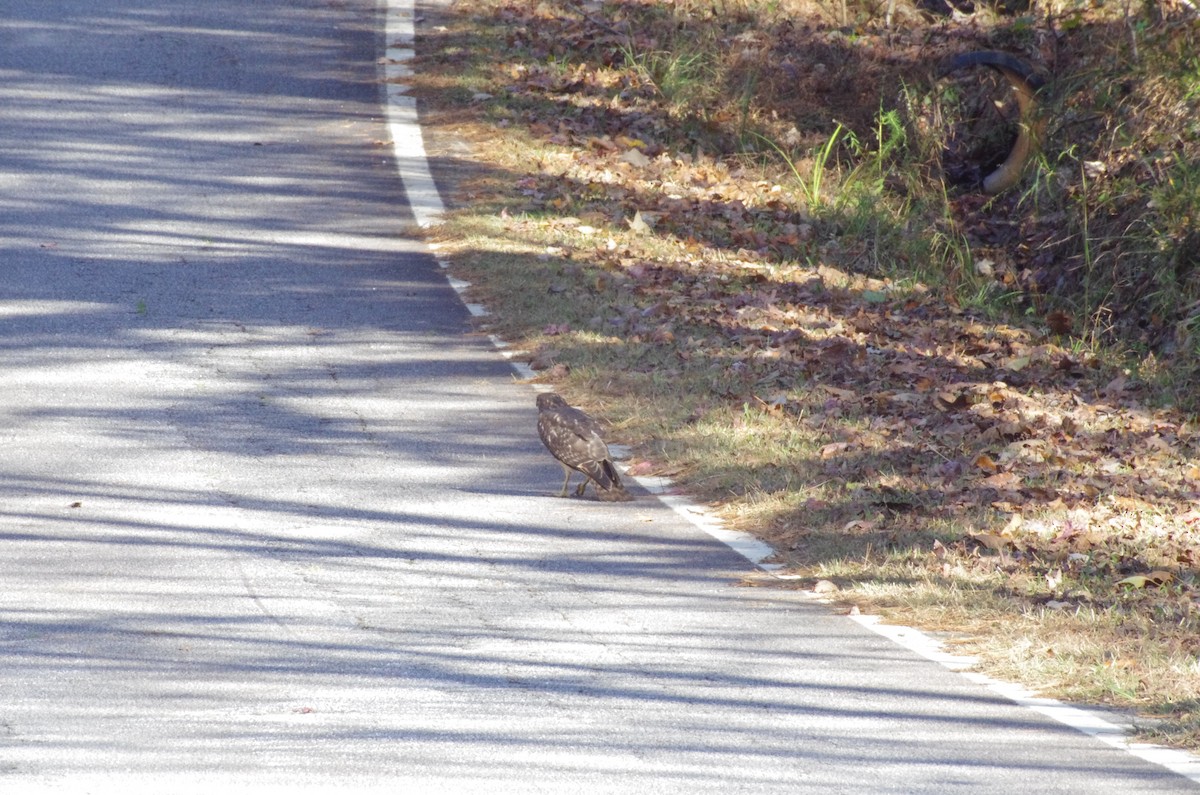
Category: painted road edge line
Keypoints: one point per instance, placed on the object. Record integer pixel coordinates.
(408, 145)
(1087, 721)
(428, 209)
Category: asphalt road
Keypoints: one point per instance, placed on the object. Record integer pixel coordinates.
(271, 521)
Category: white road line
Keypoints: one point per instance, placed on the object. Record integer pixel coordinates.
(408, 146)
(1089, 722)
(428, 209)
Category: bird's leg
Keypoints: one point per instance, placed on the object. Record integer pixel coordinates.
(566, 479)
(581, 487)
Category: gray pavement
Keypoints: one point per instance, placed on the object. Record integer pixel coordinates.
(270, 520)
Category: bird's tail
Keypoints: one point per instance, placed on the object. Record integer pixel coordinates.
(614, 477)
(605, 476)
(608, 479)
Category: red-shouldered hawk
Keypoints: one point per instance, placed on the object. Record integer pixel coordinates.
(574, 438)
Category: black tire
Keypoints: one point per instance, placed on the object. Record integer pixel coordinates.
(1026, 82)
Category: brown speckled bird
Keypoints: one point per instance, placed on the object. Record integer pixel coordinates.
(574, 438)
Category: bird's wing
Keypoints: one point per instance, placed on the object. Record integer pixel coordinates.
(588, 431)
(579, 422)
(572, 436)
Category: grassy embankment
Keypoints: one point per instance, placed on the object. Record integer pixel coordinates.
(750, 234)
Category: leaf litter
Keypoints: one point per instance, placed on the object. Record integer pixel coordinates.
(977, 453)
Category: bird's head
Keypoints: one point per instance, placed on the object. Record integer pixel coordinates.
(549, 400)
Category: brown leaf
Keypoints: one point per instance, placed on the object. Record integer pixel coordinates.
(947, 400)
(1016, 364)
(1160, 444)
(1122, 662)
(635, 158)
(1115, 386)
(1156, 578)
(833, 449)
(990, 540)
(1005, 481)
(1059, 322)
(663, 335)
(984, 462)
(841, 394)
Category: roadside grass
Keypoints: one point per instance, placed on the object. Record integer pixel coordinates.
(970, 413)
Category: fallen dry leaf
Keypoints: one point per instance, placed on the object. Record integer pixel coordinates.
(991, 541)
(986, 463)
(1002, 480)
(833, 449)
(635, 158)
(1143, 580)
(1059, 322)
